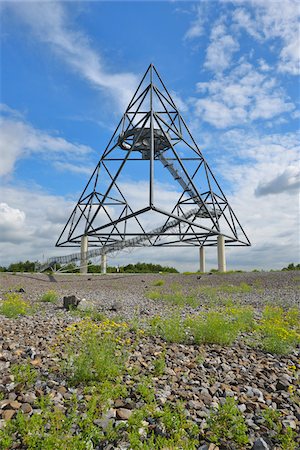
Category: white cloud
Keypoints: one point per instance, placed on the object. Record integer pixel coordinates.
(270, 20)
(196, 28)
(49, 22)
(257, 164)
(244, 95)
(19, 139)
(221, 49)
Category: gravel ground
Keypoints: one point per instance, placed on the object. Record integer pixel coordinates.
(257, 380)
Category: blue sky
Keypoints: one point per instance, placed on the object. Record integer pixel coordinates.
(68, 72)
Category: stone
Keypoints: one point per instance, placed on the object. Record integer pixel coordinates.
(123, 413)
(8, 414)
(26, 408)
(288, 423)
(70, 302)
(195, 404)
(260, 444)
(242, 407)
(15, 404)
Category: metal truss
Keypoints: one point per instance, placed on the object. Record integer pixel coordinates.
(154, 140)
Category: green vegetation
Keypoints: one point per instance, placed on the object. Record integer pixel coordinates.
(176, 297)
(279, 331)
(284, 436)
(134, 268)
(171, 328)
(93, 350)
(211, 327)
(49, 297)
(24, 373)
(292, 266)
(227, 424)
(13, 305)
(159, 283)
(175, 430)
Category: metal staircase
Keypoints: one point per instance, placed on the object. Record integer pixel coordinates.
(117, 246)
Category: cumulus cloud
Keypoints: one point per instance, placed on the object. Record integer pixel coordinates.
(267, 21)
(287, 181)
(221, 49)
(50, 23)
(19, 139)
(196, 28)
(244, 95)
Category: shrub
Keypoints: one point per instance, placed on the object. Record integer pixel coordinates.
(13, 305)
(24, 373)
(278, 330)
(49, 297)
(95, 351)
(227, 424)
(171, 329)
(214, 328)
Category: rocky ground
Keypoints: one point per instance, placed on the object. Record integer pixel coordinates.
(202, 377)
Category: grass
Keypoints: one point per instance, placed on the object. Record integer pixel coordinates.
(171, 429)
(95, 351)
(214, 293)
(227, 425)
(279, 330)
(213, 328)
(24, 373)
(49, 297)
(171, 329)
(13, 306)
(177, 297)
(284, 436)
(159, 283)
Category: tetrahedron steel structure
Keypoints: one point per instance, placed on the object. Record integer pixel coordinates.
(152, 186)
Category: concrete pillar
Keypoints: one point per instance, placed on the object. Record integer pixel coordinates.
(103, 263)
(83, 256)
(221, 254)
(202, 259)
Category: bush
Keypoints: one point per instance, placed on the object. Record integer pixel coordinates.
(95, 351)
(49, 297)
(171, 329)
(227, 424)
(214, 328)
(13, 305)
(279, 330)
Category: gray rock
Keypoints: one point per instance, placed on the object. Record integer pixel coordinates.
(260, 444)
(70, 302)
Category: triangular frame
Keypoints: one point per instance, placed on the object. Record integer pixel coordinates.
(152, 129)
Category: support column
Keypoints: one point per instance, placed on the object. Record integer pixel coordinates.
(221, 254)
(202, 259)
(103, 263)
(83, 256)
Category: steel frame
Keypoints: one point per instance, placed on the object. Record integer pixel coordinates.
(138, 121)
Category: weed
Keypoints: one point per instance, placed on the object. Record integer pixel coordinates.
(286, 437)
(169, 428)
(153, 295)
(213, 328)
(160, 364)
(13, 305)
(278, 330)
(171, 329)
(227, 423)
(94, 350)
(49, 297)
(159, 283)
(145, 390)
(24, 373)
